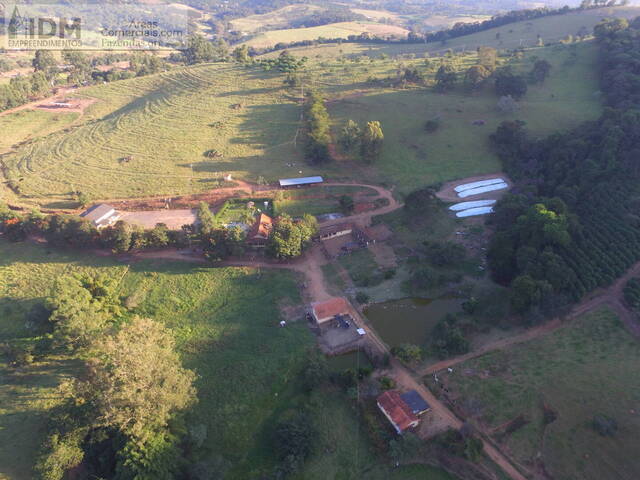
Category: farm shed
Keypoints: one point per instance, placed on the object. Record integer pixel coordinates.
(472, 212)
(335, 231)
(488, 188)
(467, 205)
(478, 184)
(416, 403)
(401, 416)
(260, 231)
(326, 311)
(101, 215)
(299, 182)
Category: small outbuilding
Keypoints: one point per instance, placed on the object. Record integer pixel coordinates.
(333, 231)
(300, 182)
(101, 215)
(399, 414)
(323, 312)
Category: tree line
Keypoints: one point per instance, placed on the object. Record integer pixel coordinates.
(288, 238)
(122, 415)
(570, 224)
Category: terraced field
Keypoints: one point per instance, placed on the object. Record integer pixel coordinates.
(164, 124)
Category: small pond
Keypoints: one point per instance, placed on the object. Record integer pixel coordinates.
(409, 320)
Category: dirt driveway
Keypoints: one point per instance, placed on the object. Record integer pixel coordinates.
(173, 219)
(77, 105)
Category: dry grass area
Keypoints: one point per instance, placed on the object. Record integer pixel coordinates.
(333, 30)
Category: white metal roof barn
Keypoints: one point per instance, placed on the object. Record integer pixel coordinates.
(297, 182)
(479, 183)
(471, 212)
(466, 205)
(483, 189)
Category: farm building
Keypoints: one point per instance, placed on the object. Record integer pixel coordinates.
(300, 182)
(416, 403)
(333, 231)
(260, 231)
(399, 412)
(101, 215)
(328, 310)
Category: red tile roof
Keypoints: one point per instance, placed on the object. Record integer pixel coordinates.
(398, 411)
(330, 308)
(262, 228)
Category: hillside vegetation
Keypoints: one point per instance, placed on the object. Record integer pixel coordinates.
(168, 122)
(551, 29)
(557, 385)
(332, 30)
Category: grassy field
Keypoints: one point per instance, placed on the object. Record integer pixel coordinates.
(277, 19)
(362, 268)
(166, 122)
(411, 157)
(225, 324)
(27, 125)
(332, 30)
(587, 368)
(316, 200)
(551, 29)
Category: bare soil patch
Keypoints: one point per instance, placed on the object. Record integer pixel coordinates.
(76, 105)
(173, 219)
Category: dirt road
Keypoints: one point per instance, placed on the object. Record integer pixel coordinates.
(79, 104)
(611, 296)
(440, 417)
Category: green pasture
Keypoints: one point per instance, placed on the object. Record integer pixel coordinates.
(362, 268)
(225, 323)
(332, 30)
(166, 123)
(551, 29)
(412, 157)
(276, 19)
(167, 126)
(27, 126)
(239, 211)
(587, 368)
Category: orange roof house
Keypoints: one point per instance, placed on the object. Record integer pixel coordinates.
(260, 231)
(325, 311)
(397, 411)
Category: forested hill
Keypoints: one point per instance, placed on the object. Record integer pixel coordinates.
(572, 224)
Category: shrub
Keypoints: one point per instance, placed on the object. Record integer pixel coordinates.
(407, 353)
(432, 125)
(362, 297)
(605, 425)
(387, 383)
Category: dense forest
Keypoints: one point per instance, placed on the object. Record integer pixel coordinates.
(571, 223)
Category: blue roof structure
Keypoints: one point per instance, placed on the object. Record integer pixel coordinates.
(290, 182)
(416, 403)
